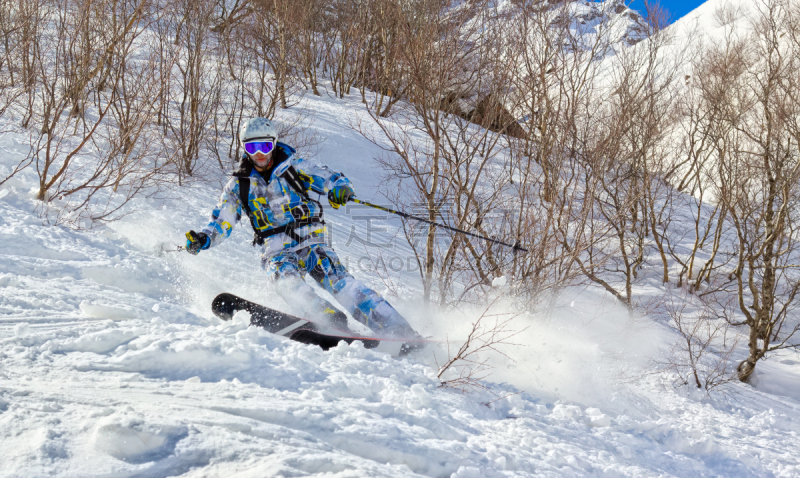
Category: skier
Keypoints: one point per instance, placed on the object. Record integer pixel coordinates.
(271, 188)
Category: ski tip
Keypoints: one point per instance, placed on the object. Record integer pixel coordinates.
(224, 306)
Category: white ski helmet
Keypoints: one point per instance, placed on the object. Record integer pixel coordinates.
(257, 128)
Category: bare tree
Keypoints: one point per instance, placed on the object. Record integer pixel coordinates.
(448, 175)
(348, 28)
(382, 68)
(231, 15)
(92, 113)
(310, 52)
(556, 91)
(625, 167)
(705, 109)
(757, 177)
(194, 93)
(273, 29)
(30, 21)
(65, 83)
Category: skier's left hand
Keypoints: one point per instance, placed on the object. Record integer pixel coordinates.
(197, 241)
(339, 196)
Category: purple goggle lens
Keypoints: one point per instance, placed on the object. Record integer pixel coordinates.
(256, 146)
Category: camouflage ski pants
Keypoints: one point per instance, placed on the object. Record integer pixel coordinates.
(323, 265)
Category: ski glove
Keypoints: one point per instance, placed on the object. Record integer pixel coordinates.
(197, 241)
(339, 196)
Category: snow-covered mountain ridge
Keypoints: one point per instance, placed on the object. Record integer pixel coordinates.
(629, 25)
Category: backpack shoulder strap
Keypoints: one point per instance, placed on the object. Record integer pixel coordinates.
(244, 197)
(293, 178)
(244, 193)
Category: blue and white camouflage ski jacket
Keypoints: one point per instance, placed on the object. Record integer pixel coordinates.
(275, 203)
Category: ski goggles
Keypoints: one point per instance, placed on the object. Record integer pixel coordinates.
(254, 147)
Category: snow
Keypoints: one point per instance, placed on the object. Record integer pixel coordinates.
(111, 363)
(710, 22)
(499, 281)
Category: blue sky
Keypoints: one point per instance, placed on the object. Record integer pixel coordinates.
(676, 8)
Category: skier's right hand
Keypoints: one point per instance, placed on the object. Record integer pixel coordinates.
(339, 196)
(197, 241)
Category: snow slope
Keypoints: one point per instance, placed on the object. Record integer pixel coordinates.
(111, 363)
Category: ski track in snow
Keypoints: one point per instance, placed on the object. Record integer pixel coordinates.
(112, 365)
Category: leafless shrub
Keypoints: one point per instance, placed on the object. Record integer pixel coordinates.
(84, 86)
(227, 119)
(702, 355)
(467, 366)
(13, 23)
(279, 18)
(554, 86)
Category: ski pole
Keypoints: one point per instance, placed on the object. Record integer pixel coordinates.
(516, 247)
(173, 249)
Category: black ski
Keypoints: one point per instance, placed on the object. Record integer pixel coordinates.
(305, 331)
(274, 321)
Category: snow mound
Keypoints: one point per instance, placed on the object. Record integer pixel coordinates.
(105, 312)
(137, 442)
